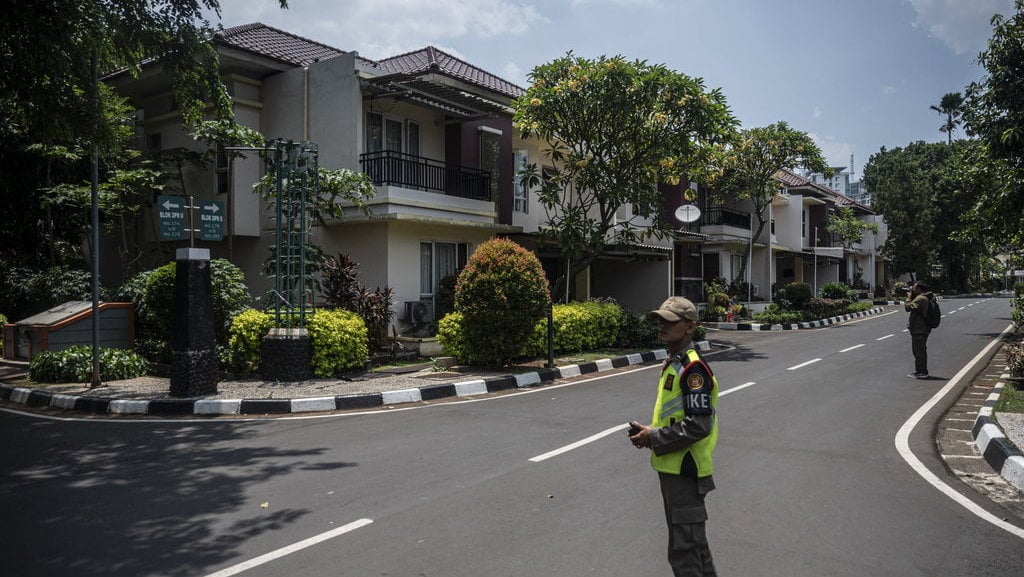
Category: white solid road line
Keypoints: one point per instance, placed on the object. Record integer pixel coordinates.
(903, 445)
(885, 337)
(256, 562)
(802, 365)
(848, 349)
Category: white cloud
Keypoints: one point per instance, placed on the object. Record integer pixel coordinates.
(836, 153)
(889, 89)
(513, 73)
(817, 112)
(381, 28)
(962, 25)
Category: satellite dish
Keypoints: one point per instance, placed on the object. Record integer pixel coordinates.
(687, 213)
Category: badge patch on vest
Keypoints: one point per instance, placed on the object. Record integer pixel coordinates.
(695, 381)
(697, 394)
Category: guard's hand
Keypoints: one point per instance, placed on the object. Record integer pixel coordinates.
(642, 439)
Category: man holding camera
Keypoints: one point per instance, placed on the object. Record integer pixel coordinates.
(682, 437)
(917, 305)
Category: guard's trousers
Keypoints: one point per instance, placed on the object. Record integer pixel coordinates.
(688, 551)
(919, 345)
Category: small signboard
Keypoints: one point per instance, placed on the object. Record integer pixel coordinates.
(211, 220)
(170, 212)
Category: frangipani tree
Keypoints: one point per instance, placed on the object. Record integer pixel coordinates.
(613, 131)
(752, 162)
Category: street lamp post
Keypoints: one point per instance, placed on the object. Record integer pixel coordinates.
(815, 250)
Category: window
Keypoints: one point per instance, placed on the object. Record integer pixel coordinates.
(490, 158)
(438, 260)
(374, 132)
(222, 170)
(522, 192)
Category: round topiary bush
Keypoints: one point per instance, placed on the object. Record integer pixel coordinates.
(244, 343)
(501, 293)
(340, 342)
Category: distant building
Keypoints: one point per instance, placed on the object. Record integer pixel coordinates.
(840, 182)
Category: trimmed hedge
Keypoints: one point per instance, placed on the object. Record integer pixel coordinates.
(244, 340)
(74, 365)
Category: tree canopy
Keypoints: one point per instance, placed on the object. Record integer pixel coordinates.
(758, 154)
(614, 130)
(994, 112)
(922, 190)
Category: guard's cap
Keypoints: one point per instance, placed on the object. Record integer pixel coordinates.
(676, 308)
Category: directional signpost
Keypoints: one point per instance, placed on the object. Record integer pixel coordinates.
(171, 213)
(211, 220)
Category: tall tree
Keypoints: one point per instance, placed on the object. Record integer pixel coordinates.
(923, 191)
(951, 106)
(46, 86)
(752, 162)
(995, 114)
(614, 130)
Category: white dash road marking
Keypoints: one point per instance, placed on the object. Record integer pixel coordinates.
(614, 429)
(262, 559)
(848, 349)
(802, 365)
(579, 443)
(885, 337)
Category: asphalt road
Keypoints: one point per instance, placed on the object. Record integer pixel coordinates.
(810, 478)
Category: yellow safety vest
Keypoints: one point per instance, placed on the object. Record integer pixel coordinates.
(670, 409)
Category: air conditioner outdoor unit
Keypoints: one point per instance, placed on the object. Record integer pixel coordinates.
(419, 312)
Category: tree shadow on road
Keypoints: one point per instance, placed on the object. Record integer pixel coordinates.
(132, 499)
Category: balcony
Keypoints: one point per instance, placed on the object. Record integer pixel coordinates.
(719, 216)
(389, 167)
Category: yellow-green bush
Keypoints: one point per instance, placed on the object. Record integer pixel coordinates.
(451, 337)
(340, 342)
(244, 340)
(578, 327)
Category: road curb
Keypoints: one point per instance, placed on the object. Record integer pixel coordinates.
(999, 451)
(794, 326)
(257, 407)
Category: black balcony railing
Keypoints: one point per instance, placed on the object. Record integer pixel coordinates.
(717, 215)
(397, 168)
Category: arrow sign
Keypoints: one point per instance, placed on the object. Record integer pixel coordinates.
(211, 220)
(171, 217)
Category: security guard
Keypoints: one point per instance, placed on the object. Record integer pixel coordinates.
(682, 437)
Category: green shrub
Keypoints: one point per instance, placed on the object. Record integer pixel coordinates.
(712, 313)
(834, 290)
(1017, 313)
(25, 291)
(796, 295)
(637, 331)
(451, 337)
(819, 308)
(245, 340)
(700, 333)
(339, 341)
(858, 307)
(1018, 289)
(775, 315)
(74, 365)
(502, 293)
(578, 327)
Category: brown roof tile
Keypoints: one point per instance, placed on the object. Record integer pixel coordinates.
(431, 59)
(278, 44)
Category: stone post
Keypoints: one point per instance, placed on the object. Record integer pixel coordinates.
(193, 340)
(287, 355)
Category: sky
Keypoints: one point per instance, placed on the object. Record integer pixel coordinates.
(856, 75)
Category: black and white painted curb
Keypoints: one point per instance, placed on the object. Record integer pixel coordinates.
(794, 326)
(1000, 453)
(211, 407)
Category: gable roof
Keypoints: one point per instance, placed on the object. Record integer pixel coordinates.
(431, 59)
(793, 180)
(258, 38)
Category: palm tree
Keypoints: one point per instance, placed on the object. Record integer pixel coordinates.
(951, 105)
